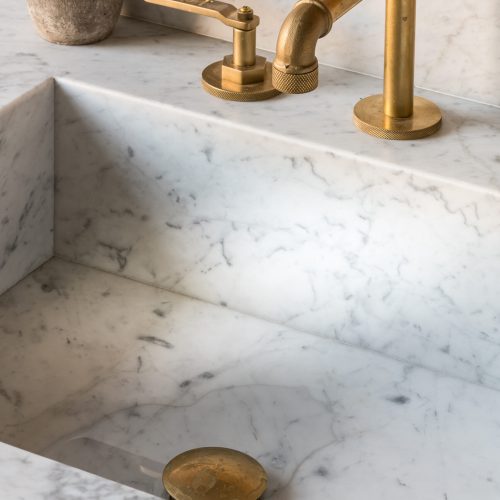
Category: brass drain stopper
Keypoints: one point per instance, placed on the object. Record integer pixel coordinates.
(214, 474)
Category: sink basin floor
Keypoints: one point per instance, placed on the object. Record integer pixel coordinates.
(117, 377)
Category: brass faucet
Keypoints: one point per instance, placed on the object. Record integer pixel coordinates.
(396, 114)
(241, 76)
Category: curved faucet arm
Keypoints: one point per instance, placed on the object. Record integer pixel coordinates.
(338, 8)
(295, 68)
(224, 12)
(302, 28)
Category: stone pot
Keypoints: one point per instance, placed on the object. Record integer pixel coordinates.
(75, 22)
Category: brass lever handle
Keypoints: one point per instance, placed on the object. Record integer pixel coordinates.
(224, 12)
(241, 76)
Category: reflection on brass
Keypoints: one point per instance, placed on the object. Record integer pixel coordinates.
(214, 474)
(394, 116)
(242, 76)
(398, 114)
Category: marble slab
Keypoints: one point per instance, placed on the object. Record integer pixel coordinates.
(26, 184)
(151, 62)
(379, 258)
(135, 65)
(457, 46)
(48, 480)
(142, 374)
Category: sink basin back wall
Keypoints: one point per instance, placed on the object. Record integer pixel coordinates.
(457, 43)
(374, 257)
(26, 184)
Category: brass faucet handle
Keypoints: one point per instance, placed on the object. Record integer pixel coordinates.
(243, 75)
(224, 12)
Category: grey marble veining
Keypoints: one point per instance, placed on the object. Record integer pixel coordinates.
(102, 344)
(26, 184)
(378, 258)
(142, 374)
(457, 44)
(138, 62)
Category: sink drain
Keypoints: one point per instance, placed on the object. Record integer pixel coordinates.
(214, 474)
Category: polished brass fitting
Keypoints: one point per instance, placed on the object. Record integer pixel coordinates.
(241, 76)
(394, 115)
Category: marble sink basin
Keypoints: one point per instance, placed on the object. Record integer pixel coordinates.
(116, 377)
(184, 283)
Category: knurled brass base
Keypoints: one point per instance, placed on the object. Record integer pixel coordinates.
(214, 85)
(214, 474)
(290, 83)
(370, 118)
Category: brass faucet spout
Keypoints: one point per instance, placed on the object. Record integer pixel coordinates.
(295, 68)
(397, 113)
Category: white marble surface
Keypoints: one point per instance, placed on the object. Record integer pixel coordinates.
(138, 61)
(44, 479)
(377, 258)
(142, 374)
(26, 184)
(457, 43)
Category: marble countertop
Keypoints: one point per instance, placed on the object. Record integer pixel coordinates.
(147, 61)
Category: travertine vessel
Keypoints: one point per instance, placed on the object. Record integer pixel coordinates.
(75, 22)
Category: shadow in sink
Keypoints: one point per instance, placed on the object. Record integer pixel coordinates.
(131, 446)
(110, 462)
